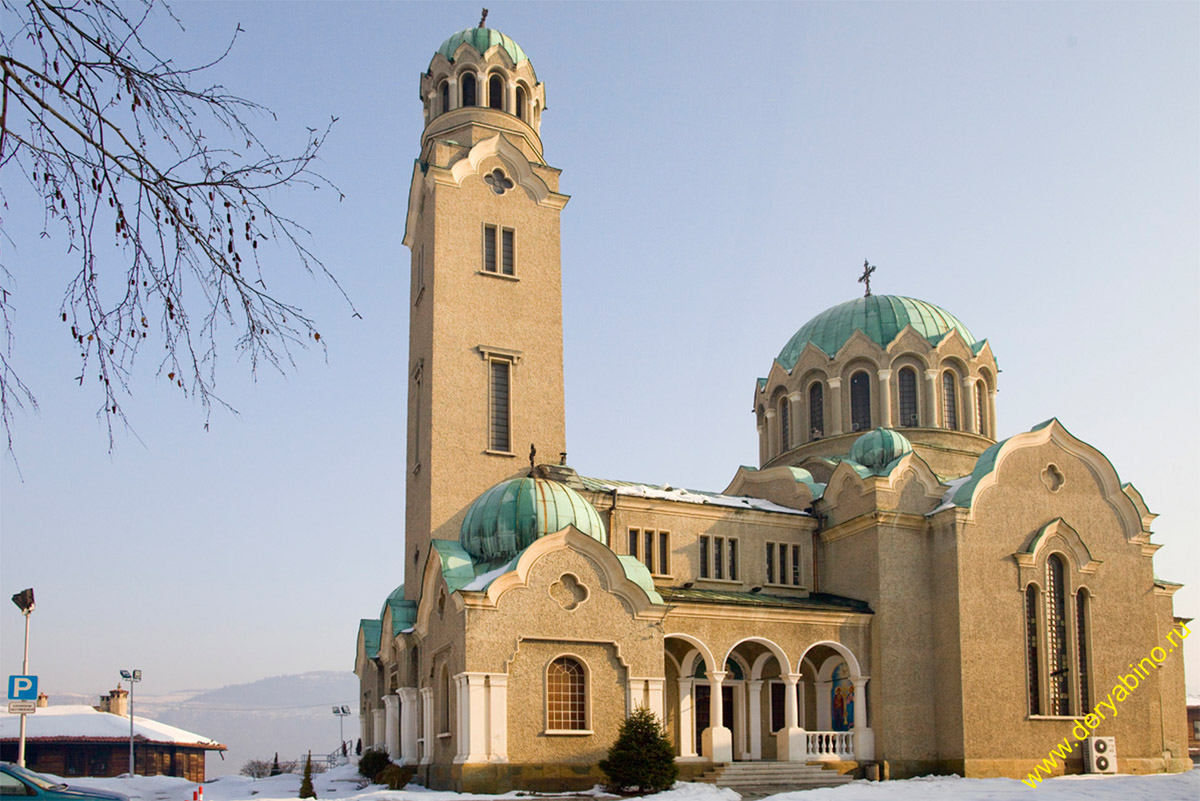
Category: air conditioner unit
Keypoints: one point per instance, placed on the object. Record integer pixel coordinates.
(1100, 755)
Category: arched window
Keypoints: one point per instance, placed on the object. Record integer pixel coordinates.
(1081, 634)
(949, 400)
(468, 89)
(908, 397)
(816, 411)
(785, 425)
(860, 401)
(566, 695)
(521, 102)
(1058, 671)
(981, 404)
(1031, 649)
(445, 92)
(496, 93)
(443, 703)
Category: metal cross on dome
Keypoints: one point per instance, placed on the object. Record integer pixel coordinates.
(497, 181)
(865, 278)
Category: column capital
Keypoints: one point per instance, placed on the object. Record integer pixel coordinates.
(931, 374)
(884, 374)
(796, 396)
(791, 678)
(717, 676)
(835, 382)
(391, 702)
(769, 412)
(755, 685)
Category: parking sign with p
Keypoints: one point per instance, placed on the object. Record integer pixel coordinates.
(22, 688)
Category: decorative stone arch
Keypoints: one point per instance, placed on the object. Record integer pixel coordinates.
(1057, 536)
(687, 664)
(846, 653)
(461, 76)
(754, 672)
(493, 75)
(916, 364)
(860, 365)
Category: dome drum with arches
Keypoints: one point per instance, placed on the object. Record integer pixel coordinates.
(482, 40)
(507, 518)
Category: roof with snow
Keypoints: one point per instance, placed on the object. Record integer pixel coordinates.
(80, 722)
(666, 492)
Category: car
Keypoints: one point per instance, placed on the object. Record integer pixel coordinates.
(16, 781)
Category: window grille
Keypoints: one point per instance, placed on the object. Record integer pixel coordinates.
(949, 400)
(770, 563)
(981, 407)
(489, 248)
(468, 89)
(908, 397)
(860, 401)
(1081, 630)
(816, 411)
(508, 251)
(445, 96)
(1058, 664)
(566, 696)
(521, 102)
(664, 551)
(496, 93)
(785, 425)
(1031, 649)
(633, 542)
(703, 557)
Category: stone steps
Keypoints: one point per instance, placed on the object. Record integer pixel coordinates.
(757, 779)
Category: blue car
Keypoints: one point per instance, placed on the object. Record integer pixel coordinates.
(18, 782)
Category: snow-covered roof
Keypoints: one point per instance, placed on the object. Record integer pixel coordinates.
(75, 722)
(668, 493)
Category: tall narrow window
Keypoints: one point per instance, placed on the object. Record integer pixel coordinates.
(733, 559)
(785, 425)
(719, 558)
(703, 556)
(633, 542)
(499, 438)
(796, 565)
(1081, 634)
(496, 93)
(445, 90)
(566, 695)
(508, 251)
(816, 411)
(908, 397)
(468, 89)
(1058, 671)
(648, 551)
(664, 553)
(489, 248)
(770, 563)
(981, 398)
(860, 401)
(444, 702)
(1031, 649)
(949, 400)
(521, 102)
(416, 426)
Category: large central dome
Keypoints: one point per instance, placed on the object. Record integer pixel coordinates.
(880, 317)
(482, 39)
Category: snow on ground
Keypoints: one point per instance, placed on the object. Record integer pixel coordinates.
(343, 784)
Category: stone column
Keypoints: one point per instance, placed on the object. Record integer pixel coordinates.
(931, 399)
(379, 731)
(453, 93)
(833, 408)
(864, 737)
(798, 420)
(755, 718)
(772, 433)
(391, 706)
(409, 710)
(472, 717)
(510, 97)
(635, 695)
(497, 684)
(885, 399)
(687, 723)
(824, 711)
(430, 736)
(790, 741)
(654, 698)
(762, 445)
(967, 394)
(717, 740)
(992, 414)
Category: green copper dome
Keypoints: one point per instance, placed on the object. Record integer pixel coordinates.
(879, 448)
(880, 317)
(506, 519)
(482, 39)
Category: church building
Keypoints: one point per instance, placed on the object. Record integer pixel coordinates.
(890, 591)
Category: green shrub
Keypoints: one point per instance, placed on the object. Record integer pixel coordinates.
(371, 762)
(306, 784)
(394, 776)
(642, 758)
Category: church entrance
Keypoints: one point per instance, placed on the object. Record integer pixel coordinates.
(703, 697)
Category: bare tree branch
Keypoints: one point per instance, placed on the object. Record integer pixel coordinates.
(107, 132)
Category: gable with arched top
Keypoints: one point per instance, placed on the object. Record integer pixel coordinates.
(480, 159)
(1056, 536)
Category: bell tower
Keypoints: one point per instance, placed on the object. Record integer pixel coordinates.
(485, 369)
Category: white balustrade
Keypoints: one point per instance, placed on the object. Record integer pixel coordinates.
(831, 746)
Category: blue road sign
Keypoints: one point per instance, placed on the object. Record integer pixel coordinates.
(22, 688)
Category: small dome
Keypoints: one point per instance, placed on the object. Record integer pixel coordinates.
(506, 519)
(482, 39)
(879, 448)
(880, 317)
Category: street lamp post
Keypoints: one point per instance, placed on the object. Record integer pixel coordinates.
(24, 602)
(341, 712)
(131, 676)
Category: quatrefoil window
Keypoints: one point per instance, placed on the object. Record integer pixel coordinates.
(1053, 478)
(568, 592)
(498, 181)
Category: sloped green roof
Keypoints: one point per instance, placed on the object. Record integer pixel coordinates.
(404, 613)
(965, 494)
(457, 567)
(371, 631)
(507, 518)
(639, 574)
(482, 39)
(816, 600)
(880, 317)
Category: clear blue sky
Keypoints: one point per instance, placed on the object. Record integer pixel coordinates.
(1032, 167)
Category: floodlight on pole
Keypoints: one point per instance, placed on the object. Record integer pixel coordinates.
(24, 602)
(131, 677)
(341, 712)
